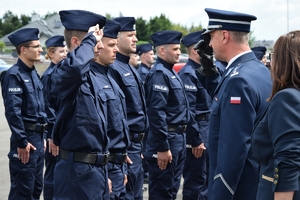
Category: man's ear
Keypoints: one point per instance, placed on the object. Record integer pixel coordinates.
(75, 41)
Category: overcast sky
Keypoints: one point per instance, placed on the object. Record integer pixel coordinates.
(272, 15)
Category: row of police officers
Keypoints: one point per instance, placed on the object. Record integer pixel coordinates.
(103, 108)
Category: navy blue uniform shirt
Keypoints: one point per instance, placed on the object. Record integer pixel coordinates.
(143, 71)
(131, 84)
(199, 100)
(51, 115)
(81, 122)
(117, 128)
(23, 100)
(166, 104)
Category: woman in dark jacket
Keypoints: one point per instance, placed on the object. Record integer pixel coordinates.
(276, 138)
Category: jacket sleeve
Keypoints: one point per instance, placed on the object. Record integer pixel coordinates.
(236, 125)
(157, 92)
(12, 95)
(284, 130)
(70, 74)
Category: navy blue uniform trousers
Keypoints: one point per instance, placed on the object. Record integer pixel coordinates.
(161, 181)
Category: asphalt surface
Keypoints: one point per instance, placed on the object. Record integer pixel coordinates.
(4, 148)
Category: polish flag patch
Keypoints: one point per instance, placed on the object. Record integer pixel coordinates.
(235, 100)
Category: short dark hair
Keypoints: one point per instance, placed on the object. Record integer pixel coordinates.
(70, 33)
(285, 64)
(24, 44)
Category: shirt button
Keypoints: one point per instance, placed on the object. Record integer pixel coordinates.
(276, 169)
(276, 175)
(275, 182)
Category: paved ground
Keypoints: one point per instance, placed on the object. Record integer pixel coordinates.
(4, 148)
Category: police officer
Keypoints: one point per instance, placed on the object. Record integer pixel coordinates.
(168, 113)
(147, 58)
(80, 127)
(26, 116)
(132, 86)
(260, 53)
(238, 102)
(145, 51)
(56, 51)
(195, 171)
(117, 130)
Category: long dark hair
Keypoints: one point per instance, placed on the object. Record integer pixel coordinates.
(285, 64)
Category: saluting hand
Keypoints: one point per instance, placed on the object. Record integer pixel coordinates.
(163, 158)
(24, 153)
(98, 33)
(198, 151)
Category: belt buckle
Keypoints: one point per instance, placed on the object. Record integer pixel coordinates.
(105, 159)
(184, 128)
(142, 136)
(43, 127)
(125, 157)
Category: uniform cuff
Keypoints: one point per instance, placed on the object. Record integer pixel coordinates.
(163, 146)
(23, 143)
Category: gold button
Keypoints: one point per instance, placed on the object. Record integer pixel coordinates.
(276, 175)
(276, 169)
(275, 182)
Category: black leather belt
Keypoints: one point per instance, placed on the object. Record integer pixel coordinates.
(202, 117)
(89, 158)
(35, 127)
(118, 158)
(136, 137)
(176, 128)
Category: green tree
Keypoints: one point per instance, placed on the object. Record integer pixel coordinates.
(142, 29)
(11, 22)
(2, 47)
(159, 23)
(195, 28)
(251, 39)
(109, 16)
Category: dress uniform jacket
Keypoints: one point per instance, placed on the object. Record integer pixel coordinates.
(276, 146)
(81, 122)
(238, 102)
(143, 71)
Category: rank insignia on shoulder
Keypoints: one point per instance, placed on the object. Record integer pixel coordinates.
(235, 100)
(234, 73)
(173, 77)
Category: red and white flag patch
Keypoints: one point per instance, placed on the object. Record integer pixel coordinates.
(235, 100)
